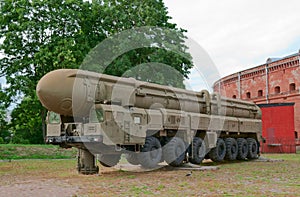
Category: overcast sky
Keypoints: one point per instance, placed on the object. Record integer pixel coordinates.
(239, 34)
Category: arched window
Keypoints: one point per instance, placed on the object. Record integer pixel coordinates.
(277, 89)
(292, 87)
(234, 96)
(260, 93)
(248, 95)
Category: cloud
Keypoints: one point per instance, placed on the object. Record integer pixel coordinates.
(240, 34)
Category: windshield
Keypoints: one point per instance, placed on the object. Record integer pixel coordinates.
(96, 115)
(53, 118)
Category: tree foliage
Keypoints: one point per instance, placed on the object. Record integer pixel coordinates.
(43, 35)
(26, 122)
(4, 132)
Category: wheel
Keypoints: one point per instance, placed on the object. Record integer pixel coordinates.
(197, 151)
(132, 158)
(231, 149)
(217, 154)
(242, 149)
(252, 148)
(174, 151)
(109, 160)
(151, 153)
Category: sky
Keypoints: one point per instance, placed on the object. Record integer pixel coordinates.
(237, 34)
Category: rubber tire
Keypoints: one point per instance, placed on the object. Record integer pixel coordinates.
(242, 149)
(231, 149)
(197, 151)
(151, 153)
(132, 158)
(109, 160)
(252, 148)
(174, 152)
(217, 154)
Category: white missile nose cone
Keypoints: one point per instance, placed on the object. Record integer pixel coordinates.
(55, 91)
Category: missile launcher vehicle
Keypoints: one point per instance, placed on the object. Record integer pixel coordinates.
(106, 116)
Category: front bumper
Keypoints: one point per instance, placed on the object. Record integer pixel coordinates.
(57, 140)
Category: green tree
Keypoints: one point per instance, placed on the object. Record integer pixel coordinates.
(4, 133)
(163, 37)
(40, 36)
(43, 35)
(26, 122)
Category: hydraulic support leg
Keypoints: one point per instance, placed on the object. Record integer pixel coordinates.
(86, 162)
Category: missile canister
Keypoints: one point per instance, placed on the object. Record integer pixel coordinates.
(73, 92)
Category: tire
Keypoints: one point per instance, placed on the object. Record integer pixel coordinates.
(197, 151)
(231, 149)
(252, 148)
(217, 154)
(174, 152)
(242, 149)
(109, 160)
(132, 158)
(151, 153)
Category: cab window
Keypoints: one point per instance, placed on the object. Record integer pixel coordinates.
(53, 118)
(96, 115)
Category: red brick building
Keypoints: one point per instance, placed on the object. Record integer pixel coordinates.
(276, 81)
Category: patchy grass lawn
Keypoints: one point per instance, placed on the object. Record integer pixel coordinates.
(59, 177)
(20, 151)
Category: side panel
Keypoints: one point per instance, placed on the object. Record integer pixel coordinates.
(211, 139)
(112, 134)
(175, 119)
(113, 128)
(155, 120)
(53, 129)
(212, 122)
(92, 129)
(250, 125)
(217, 123)
(231, 124)
(125, 126)
(199, 121)
(138, 126)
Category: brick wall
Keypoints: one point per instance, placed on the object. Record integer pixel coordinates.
(276, 81)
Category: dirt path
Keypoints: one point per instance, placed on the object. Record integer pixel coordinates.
(38, 187)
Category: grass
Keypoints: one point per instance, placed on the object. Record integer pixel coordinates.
(19, 151)
(249, 178)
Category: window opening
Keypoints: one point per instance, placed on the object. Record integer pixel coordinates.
(292, 87)
(248, 95)
(277, 90)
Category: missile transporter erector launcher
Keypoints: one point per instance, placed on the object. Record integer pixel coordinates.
(150, 123)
